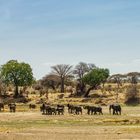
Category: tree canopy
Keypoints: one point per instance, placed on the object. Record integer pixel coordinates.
(64, 72)
(50, 81)
(79, 71)
(95, 77)
(18, 74)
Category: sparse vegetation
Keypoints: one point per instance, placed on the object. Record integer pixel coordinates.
(32, 125)
(61, 87)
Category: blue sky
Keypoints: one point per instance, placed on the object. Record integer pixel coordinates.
(48, 32)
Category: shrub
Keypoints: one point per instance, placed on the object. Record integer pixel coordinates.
(132, 96)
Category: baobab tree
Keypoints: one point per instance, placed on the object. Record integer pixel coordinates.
(64, 72)
(80, 70)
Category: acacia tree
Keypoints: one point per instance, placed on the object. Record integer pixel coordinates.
(80, 70)
(133, 78)
(64, 72)
(117, 78)
(17, 74)
(94, 78)
(50, 81)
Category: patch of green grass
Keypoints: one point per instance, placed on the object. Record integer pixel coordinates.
(22, 124)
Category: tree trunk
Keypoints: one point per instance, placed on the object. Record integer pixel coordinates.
(16, 91)
(62, 85)
(82, 88)
(117, 94)
(103, 88)
(88, 91)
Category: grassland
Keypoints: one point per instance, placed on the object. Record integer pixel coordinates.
(26, 124)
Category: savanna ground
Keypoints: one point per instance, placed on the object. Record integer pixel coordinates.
(28, 124)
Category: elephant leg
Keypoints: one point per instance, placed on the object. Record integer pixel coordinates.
(113, 112)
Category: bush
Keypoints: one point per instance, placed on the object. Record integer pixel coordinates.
(132, 96)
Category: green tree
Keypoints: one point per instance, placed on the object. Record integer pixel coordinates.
(94, 78)
(17, 74)
(64, 72)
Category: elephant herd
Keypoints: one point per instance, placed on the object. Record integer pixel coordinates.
(47, 109)
(12, 107)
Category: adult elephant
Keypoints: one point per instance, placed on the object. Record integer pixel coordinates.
(47, 109)
(60, 109)
(93, 109)
(116, 109)
(72, 109)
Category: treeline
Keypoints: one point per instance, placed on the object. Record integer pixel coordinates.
(83, 77)
(80, 79)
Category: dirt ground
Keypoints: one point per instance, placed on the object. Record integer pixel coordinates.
(32, 125)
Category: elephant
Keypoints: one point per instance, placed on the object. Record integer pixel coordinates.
(70, 108)
(93, 109)
(74, 109)
(48, 110)
(60, 109)
(116, 109)
(78, 110)
(52, 111)
(99, 110)
(12, 107)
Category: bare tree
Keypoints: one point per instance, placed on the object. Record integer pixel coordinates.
(50, 81)
(133, 78)
(63, 71)
(80, 70)
(117, 78)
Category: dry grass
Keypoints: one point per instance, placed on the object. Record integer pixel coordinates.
(28, 124)
(31, 125)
